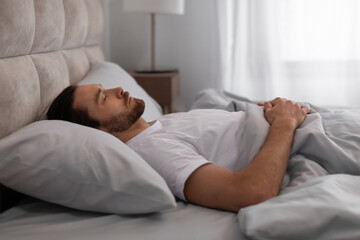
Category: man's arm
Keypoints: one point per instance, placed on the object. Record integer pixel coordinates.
(217, 187)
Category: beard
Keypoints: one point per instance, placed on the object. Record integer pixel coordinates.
(124, 121)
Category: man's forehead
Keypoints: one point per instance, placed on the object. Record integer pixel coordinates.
(89, 89)
(85, 95)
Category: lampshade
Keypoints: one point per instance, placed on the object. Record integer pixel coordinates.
(154, 6)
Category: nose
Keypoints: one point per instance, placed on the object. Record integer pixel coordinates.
(119, 92)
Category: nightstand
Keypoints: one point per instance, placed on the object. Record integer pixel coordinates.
(163, 87)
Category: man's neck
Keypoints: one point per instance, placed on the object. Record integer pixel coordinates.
(139, 126)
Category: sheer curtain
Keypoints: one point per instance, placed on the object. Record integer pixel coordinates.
(306, 50)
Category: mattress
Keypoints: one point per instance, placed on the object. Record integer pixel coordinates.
(33, 219)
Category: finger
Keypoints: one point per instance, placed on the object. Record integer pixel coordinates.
(267, 106)
(299, 104)
(261, 104)
(306, 110)
(273, 102)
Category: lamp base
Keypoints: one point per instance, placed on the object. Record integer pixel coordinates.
(156, 70)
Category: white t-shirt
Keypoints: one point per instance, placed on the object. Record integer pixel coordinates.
(177, 144)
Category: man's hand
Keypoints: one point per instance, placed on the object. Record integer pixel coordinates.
(284, 111)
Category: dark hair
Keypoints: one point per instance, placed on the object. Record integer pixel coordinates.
(62, 109)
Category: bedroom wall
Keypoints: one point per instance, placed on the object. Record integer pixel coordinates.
(184, 41)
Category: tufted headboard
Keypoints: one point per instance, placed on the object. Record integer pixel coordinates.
(45, 45)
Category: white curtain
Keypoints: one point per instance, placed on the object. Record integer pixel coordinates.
(306, 50)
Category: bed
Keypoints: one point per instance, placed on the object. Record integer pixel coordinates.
(65, 181)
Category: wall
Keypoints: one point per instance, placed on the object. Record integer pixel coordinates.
(184, 41)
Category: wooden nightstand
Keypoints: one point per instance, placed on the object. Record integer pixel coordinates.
(163, 87)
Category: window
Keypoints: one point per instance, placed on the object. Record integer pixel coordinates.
(319, 30)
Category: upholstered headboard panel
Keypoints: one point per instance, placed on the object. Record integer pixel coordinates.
(45, 45)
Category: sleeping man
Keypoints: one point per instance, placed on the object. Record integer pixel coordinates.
(198, 153)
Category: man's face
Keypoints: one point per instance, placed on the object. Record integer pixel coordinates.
(115, 109)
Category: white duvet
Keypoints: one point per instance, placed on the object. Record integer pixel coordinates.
(322, 199)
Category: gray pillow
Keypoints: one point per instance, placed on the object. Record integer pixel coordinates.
(82, 168)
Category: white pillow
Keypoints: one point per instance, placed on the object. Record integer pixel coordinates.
(111, 75)
(82, 168)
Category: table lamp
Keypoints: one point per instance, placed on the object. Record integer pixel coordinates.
(153, 7)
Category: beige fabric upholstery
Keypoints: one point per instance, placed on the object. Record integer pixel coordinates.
(17, 29)
(19, 93)
(75, 34)
(53, 71)
(49, 21)
(95, 20)
(44, 46)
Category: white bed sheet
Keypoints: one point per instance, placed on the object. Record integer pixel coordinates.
(37, 220)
